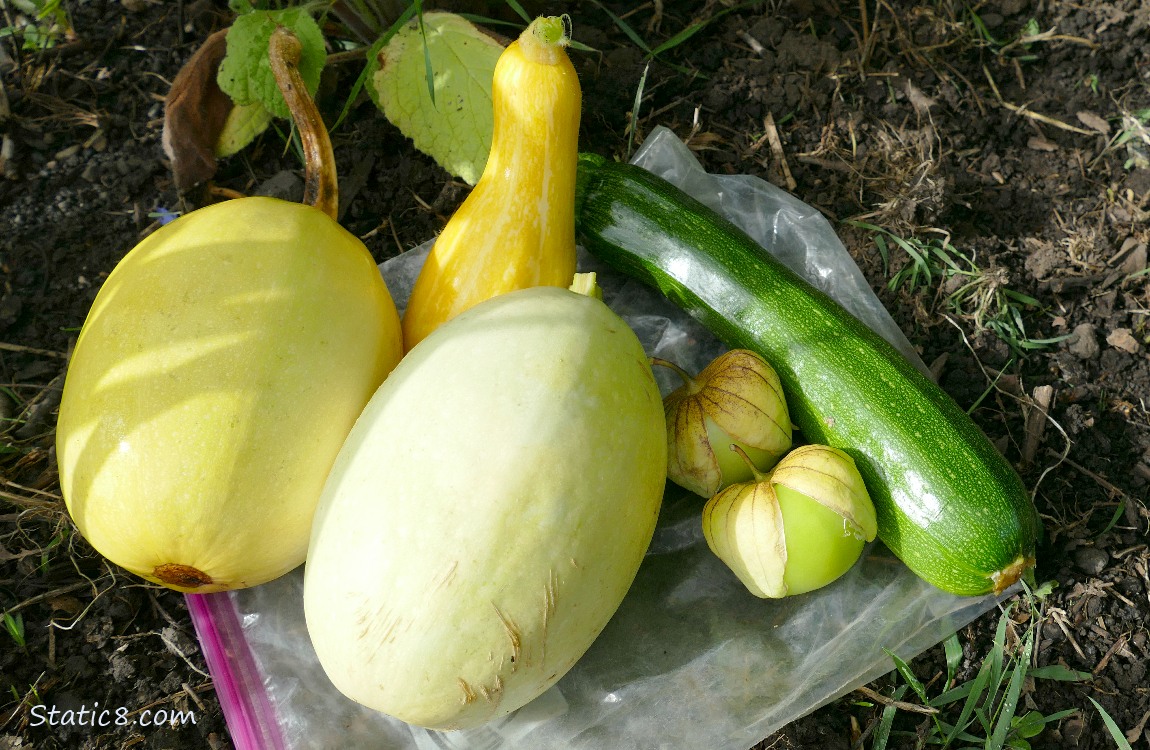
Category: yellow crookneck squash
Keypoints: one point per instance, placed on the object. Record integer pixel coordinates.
(517, 227)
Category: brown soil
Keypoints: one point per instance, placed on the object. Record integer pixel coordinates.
(1029, 154)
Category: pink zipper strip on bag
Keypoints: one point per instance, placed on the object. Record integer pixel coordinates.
(250, 716)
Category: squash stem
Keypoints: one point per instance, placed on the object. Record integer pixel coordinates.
(544, 39)
(321, 186)
(1008, 576)
(585, 284)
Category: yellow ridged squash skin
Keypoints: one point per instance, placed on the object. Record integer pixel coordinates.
(219, 370)
(516, 229)
(488, 512)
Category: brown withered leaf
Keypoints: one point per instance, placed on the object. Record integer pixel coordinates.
(1094, 122)
(195, 111)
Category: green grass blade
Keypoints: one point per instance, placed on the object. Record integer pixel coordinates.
(518, 10)
(1041, 343)
(695, 28)
(1051, 719)
(1112, 726)
(983, 718)
(908, 675)
(953, 650)
(427, 69)
(953, 695)
(1059, 673)
(886, 721)
(998, 649)
(884, 252)
(977, 687)
(624, 27)
(1023, 298)
(1009, 703)
(981, 28)
(1118, 513)
(635, 109)
(371, 55)
(920, 263)
(943, 253)
(990, 387)
(573, 44)
(15, 627)
(481, 20)
(865, 225)
(681, 37)
(905, 245)
(960, 737)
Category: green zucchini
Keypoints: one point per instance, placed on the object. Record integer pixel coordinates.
(949, 505)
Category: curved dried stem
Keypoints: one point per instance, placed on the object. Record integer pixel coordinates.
(321, 186)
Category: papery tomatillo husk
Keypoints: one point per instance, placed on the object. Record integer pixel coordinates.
(798, 528)
(736, 399)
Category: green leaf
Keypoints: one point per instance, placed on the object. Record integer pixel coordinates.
(1029, 725)
(455, 127)
(246, 73)
(1045, 590)
(244, 123)
(372, 66)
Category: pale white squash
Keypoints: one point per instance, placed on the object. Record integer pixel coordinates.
(488, 511)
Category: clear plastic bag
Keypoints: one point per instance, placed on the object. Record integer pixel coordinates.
(691, 659)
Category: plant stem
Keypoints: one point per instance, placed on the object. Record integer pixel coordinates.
(321, 185)
(585, 284)
(686, 376)
(760, 477)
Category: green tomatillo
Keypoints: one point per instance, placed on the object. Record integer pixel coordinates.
(736, 399)
(798, 528)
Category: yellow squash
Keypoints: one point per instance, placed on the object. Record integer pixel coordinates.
(219, 370)
(517, 228)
